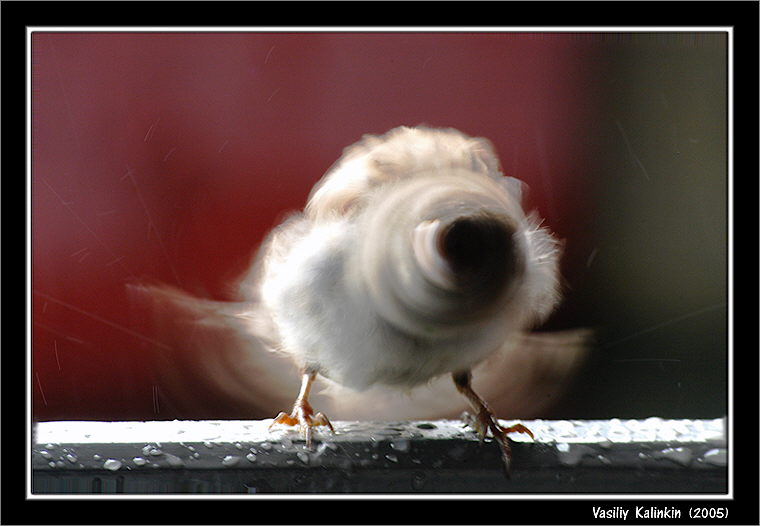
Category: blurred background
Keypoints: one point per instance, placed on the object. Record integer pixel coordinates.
(168, 156)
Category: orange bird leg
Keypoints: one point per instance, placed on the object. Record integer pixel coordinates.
(484, 420)
(302, 414)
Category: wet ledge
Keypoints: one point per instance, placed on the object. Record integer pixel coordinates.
(437, 456)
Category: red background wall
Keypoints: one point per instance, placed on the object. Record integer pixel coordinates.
(167, 157)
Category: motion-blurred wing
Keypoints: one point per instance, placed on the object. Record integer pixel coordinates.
(216, 358)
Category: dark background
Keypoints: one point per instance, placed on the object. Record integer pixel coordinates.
(169, 156)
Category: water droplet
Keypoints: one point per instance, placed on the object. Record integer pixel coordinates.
(71, 458)
(230, 460)
(112, 464)
(716, 457)
(571, 455)
(266, 446)
(251, 457)
(96, 457)
(303, 457)
(139, 461)
(174, 460)
(391, 458)
(618, 432)
(426, 425)
(46, 455)
(564, 428)
(51, 464)
(402, 446)
(155, 452)
(679, 455)
(321, 448)
(653, 421)
(238, 445)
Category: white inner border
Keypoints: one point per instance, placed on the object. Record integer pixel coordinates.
(359, 29)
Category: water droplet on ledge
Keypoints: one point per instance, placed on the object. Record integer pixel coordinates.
(679, 455)
(230, 460)
(401, 446)
(716, 457)
(112, 464)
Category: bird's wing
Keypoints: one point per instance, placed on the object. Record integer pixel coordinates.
(215, 359)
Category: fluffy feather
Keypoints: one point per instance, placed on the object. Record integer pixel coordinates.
(345, 290)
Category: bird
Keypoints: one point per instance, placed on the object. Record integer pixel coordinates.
(412, 261)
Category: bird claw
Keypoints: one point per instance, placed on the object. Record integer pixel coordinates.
(303, 416)
(485, 422)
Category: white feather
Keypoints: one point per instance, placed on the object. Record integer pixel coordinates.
(343, 290)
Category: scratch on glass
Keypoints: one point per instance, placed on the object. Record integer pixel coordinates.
(630, 149)
(670, 321)
(266, 59)
(39, 384)
(57, 360)
(156, 406)
(101, 319)
(169, 153)
(151, 223)
(67, 205)
(151, 130)
(591, 257)
(273, 94)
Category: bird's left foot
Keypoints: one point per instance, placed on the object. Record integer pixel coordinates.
(303, 415)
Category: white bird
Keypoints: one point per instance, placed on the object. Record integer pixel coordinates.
(412, 261)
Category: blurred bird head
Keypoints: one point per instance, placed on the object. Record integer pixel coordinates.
(444, 244)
